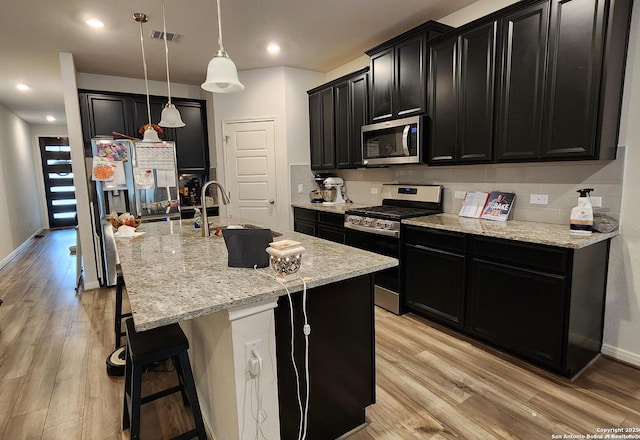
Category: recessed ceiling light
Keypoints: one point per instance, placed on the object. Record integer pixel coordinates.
(50, 118)
(22, 87)
(94, 23)
(273, 48)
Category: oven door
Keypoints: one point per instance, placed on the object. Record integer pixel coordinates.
(387, 282)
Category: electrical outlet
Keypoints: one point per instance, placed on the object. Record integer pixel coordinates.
(249, 348)
(374, 190)
(459, 195)
(539, 199)
(596, 201)
(300, 188)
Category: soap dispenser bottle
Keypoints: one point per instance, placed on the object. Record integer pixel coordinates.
(197, 219)
(581, 221)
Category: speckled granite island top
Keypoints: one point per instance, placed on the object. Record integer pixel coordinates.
(531, 232)
(172, 273)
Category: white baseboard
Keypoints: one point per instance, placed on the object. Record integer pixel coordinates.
(91, 285)
(17, 250)
(621, 355)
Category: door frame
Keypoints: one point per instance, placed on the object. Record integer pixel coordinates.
(281, 178)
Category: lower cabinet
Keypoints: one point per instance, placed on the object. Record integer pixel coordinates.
(341, 358)
(326, 225)
(542, 303)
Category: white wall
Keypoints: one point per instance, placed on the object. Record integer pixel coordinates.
(19, 203)
(622, 314)
(279, 93)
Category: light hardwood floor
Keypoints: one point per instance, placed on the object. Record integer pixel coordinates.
(431, 384)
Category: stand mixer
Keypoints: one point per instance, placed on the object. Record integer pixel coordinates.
(335, 183)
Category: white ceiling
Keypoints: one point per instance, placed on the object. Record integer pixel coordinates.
(317, 35)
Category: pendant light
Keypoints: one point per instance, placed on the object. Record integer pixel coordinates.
(222, 75)
(150, 134)
(170, 115)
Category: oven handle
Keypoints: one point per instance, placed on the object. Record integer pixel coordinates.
(386, 232)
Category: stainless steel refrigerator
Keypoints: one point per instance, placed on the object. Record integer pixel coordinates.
(134, 177)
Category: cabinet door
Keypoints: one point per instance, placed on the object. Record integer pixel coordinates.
(332, 234)
(328, 133)
(315, 130)
(435, 282)
(576, 40)
(342, 118)
(141, 116)
(518, 309)
(105, 114)
(476, 94)
(410, 96)
(443, 102)
(192, 145)
(523, 45)
(359, 106)
(382, 83)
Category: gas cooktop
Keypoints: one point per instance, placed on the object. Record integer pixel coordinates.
(391, 212)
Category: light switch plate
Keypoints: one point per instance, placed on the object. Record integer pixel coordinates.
(300, 188)
(374, 190)
(539, 199)
(596, 201)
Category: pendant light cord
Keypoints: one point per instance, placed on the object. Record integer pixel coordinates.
(166, 50)
(144, 64)
(220, 28)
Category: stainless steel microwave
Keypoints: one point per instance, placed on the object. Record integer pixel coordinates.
(393, 142)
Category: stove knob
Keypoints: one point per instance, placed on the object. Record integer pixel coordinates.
(387, 225)
(368, 222)
(353, 219)
(380, 224)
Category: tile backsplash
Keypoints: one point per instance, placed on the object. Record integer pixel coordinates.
(558, 180)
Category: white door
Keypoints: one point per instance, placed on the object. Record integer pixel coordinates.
(251, 171)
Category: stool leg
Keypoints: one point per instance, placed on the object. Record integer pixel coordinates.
(193, 396)
(136, 402)
(177, 365)
(118, 311)
(126, 421)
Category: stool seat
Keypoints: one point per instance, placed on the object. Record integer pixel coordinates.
(144, 349)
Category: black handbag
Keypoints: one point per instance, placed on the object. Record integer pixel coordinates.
(246, 247)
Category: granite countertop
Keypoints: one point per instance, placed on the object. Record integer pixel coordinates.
(336, 209)
(531, 232)
(172, 273)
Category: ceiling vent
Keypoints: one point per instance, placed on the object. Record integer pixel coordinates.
(171, 36)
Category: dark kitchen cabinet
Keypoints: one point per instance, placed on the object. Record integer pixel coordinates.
(321, 224)
(398, 70)
(461, 89)
(102, 114)
(541, 303)
(520, 85)
(337, 110)
(439, 257)
(341, 358)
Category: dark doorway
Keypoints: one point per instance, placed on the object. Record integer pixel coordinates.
(58, 182)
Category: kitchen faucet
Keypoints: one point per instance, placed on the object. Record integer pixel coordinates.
(205, 217)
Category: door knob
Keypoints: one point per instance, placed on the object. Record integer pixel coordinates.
(272, 202)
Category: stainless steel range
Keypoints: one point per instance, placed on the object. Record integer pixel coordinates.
(377, 229)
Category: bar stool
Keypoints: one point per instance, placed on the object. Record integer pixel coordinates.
(144, 349)
(115, 360)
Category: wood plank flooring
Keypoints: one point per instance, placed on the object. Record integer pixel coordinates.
(431, 383)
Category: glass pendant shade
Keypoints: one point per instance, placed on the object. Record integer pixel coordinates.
(170, 117)
(222, 75)
(150, 136)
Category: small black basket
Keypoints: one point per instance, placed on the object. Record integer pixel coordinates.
(246, 247)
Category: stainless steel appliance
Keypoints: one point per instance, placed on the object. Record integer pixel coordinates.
(144, 183)
(377, 229)
(393, 142)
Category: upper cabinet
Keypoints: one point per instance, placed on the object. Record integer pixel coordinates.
(337, 110)
(461, 84)
(398, 70)
(554, 70)
(103, 113)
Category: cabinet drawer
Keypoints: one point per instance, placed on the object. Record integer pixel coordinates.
(331, 219)
(523, 254)
(305, 214)
(451, 241)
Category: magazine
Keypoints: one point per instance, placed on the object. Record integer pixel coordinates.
(498, 206)
(495, 205)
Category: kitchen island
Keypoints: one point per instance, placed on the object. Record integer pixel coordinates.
(173, 274)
